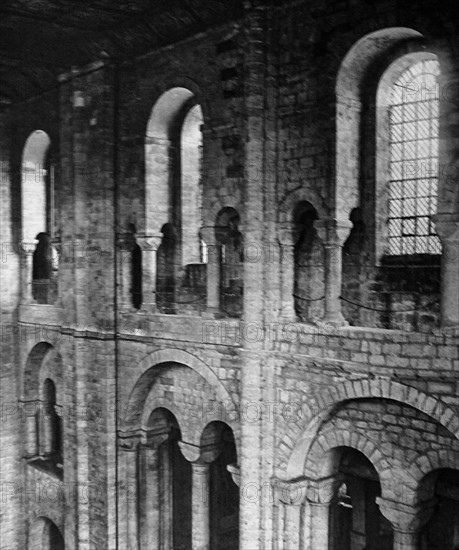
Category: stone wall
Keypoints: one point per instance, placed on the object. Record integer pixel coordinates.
(292, 388)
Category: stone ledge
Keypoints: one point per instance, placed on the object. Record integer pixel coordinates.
(42, 314)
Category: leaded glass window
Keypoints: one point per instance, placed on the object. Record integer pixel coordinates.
(413, 142)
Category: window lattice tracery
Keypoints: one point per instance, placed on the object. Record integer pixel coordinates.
(413, 143)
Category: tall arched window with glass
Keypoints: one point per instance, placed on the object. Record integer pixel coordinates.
(414, 167)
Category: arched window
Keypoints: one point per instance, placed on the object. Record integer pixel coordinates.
(413, 155)
(173, 158)
(229, 238)
(308, 287)
(387, 167)
(191, 185)
(36, 193)
(51, 439)
(38, 221)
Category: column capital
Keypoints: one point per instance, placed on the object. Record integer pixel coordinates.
(447, 226)
(287, 234)
(235, 472)
(333, 232)
(149, 243)
(292, 492)
(200, 454)
(129, 441)
(405, 518)
(28, 246)
(153, 439)
(322, 491)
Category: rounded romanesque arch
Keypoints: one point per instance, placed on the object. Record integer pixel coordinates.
(44, 534)
(186, 386)
(349, 82)
(286, 211)
(323, 404)
(222, 203)
(43, 362)
(318, 466)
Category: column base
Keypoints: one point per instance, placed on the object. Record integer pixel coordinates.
(336, 319)
(151, 309)
(212, 313)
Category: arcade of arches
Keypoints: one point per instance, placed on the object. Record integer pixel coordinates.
(229, 280)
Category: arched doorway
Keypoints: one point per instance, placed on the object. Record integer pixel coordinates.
(45, 535)
(442, 530)
(355, 518)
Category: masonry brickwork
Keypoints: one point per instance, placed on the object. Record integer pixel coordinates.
(334, 352)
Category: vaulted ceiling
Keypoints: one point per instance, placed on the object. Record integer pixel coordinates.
(40, 39)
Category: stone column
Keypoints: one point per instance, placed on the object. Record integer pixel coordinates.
(31, 428)
(149, 245)
(125, 243)
(213, 270)
(28, 248)
(406, 521)
(130, 446)
(356, 490)
(333, 234)
(166, 512)
(56, 243)
(287, 258)
(320, 495)
(149, 511)
(200, 502)
(289, 497)
(447, 226)
(49, 421)
(200, 458)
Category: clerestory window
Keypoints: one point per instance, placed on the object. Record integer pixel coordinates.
(413, 156)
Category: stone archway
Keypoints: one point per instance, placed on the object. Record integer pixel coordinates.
(45, 535)
(323, 405)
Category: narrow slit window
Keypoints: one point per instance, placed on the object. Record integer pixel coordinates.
(413, 142)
